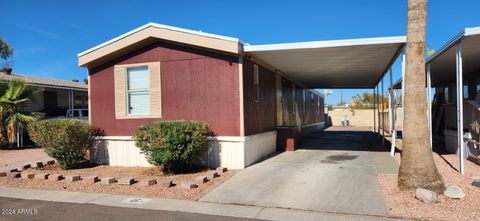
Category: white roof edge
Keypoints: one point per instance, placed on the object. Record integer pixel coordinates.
(156, 25)
(472, 31)
(325, 44)
(465, 33)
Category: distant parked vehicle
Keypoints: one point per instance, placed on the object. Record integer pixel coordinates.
(77, 113)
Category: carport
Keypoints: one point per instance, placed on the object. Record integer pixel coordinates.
(455, 71)
(340, 64)
(335, 170)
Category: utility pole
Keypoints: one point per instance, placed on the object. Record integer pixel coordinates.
(341, 97)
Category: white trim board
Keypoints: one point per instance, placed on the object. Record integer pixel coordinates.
(156, 25)
(212, 138)
(325, 44)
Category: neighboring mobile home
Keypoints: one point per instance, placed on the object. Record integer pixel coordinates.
(454, 72)
(57, 97)
(159, 72)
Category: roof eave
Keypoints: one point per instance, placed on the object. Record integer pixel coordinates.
(465, 33)
(152, 24)
(325, 44)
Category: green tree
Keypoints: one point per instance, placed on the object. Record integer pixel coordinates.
(366, 100)
(6, 50)
(431, 52)
(14, 98)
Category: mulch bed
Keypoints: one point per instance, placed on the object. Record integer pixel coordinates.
(139, 173)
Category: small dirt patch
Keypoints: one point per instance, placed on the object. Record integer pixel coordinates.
(12, 157)
(404, 205)
(139, 173)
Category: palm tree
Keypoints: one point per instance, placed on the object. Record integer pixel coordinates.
(417, 167)
(16, 95)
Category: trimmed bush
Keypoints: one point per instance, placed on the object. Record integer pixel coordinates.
(175, 145)
(66, 140)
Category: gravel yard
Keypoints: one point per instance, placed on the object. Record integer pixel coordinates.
(136, 189)
(403, 204)
(11, 157)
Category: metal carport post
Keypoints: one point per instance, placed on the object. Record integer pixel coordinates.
(459, 70)
(393, 131)
(429, 104)
(374, 106)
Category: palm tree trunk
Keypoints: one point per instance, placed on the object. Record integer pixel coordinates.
(3, 133)
(417, 167)
(11, 133)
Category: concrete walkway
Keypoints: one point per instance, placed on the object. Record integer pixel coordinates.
(334, 171)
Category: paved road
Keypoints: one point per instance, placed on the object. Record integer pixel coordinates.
(334, 171)
(73, 211)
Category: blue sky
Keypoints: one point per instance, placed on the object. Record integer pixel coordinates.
(47, 35)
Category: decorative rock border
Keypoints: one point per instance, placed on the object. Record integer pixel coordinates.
(26, 175)
(126, 181)
(55, 177)
(149, 182)
(14, 175)
(221, 170)
(212, 174)
(200, 180)
(91, 179)
(42, 176)
(72, 178)
(24, 167)
(163, 182)
(107, 180)
(188, 185)
(166, 182)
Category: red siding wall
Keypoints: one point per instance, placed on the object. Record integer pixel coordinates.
(260, 116)
(196, 85)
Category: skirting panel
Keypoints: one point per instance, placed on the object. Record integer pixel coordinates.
(232, 152)
(312, 127)
(118, 151)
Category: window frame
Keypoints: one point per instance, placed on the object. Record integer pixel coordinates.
(446, 94)
(256, 83)
(467, 91)
(128, 92)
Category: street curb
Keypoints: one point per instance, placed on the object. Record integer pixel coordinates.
(176, 205)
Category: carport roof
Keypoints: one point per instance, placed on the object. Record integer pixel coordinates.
(351, 63)
(442, 63)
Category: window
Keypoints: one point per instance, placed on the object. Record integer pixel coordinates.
(478, 87)
(138, 91)
(78, 100)
(446, 95)
(84, 113)
(256, 85)
(76, 113)
(465, 91)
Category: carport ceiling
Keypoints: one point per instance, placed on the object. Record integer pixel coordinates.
(353, 63)
(443, 64)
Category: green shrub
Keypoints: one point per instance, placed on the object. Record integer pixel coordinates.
(65, 140)
(175, 145)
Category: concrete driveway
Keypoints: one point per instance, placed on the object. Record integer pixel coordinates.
(335, 171)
